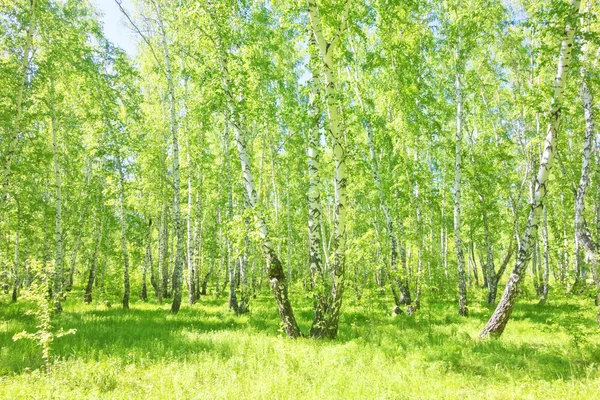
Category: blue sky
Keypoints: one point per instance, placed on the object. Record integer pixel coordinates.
(116, 28)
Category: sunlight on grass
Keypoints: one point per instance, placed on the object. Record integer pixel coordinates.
(207, 352)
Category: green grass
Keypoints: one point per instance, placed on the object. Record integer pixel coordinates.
(550, 352)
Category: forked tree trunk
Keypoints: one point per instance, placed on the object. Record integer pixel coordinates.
(339, 159)
(501, 315)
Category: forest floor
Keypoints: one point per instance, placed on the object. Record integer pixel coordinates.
(547, 352)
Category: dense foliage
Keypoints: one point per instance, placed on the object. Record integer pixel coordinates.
(325, 151)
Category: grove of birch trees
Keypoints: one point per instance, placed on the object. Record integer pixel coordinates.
(303, 148)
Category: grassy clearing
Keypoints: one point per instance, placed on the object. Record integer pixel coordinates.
(205, 351)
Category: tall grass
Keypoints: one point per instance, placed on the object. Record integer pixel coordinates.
(550, 352)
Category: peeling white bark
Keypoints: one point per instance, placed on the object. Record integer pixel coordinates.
(339, 158)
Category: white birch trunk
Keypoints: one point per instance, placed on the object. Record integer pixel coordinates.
(124, 250)
(319, 284)
(59, 239)
(276, 273)
(339, 158)
(582, 232)
(460, 258)
(177, 283)
(499, 319)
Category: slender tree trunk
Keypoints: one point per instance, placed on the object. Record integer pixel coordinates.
(232, 301)
(501, 315)
(339, 158)
(244, 303)
(16, 279)
(534, 274)
(462, 284)
(125, 252)
(177, 283)
(275, 270)
(475, 273)
(59, 241)
(191, 267)
(166, 253)
(87, 297)
(150, 259)
(492, 281)
(546, 276)
(162, 271)
(319, 283)
(198, 259)
(77, 243)
(583, 234)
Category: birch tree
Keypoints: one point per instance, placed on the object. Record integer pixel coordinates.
(501, 315)
(334, 129)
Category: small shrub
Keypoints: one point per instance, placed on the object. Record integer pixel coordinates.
(38, 294)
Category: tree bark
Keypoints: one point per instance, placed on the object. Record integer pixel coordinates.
(87, 297)
(315, 261)
(582, 232)
(460, 258)
(125, 252)
(501, 315)
(16, 279)
(59, 240)
(177, 283)
(150, 259)
(232, 301)
(546, 276)
(275, 270)
(339, 158)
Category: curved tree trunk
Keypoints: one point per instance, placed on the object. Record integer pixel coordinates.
(501, 315)
(275, 269)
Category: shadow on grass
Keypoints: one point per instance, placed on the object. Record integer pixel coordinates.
(436, 335)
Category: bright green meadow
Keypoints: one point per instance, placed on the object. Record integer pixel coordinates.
(206, 351)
